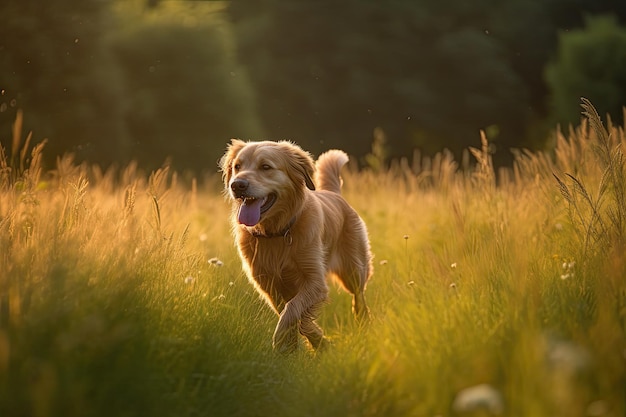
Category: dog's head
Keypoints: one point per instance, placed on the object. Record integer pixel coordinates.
(266, 179)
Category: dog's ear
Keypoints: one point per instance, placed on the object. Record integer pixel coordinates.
(308, 180)
(301, 162)
(226, 162)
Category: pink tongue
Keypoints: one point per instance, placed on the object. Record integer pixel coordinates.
(250, 212)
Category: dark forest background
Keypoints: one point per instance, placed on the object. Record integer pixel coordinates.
(112, 81)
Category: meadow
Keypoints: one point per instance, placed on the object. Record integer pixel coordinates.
(121, 293)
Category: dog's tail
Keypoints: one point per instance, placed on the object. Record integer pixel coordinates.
(328, 170)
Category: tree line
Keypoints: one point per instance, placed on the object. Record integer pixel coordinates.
(152, 80)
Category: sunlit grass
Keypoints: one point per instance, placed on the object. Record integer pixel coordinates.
(121, 294)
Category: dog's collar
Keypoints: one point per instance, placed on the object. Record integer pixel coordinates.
(285, 233)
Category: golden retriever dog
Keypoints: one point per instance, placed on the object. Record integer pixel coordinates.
(291, 234)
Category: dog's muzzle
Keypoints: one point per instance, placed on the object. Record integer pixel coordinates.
(252, 206)
(239, 187)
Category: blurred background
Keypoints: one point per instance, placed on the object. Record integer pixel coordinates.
(117, 80)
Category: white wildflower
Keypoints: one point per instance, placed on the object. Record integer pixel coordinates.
(216, 262)
(479, 397)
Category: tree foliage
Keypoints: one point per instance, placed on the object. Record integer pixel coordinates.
(150, 80)
(330, 75)
(591, 63)
(111, 81)
(54, 66)
(186, 94)
(430, 74)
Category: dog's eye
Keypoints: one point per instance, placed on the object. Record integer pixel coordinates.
(236, 167)
(265, 167)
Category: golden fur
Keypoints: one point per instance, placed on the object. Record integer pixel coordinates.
(301, 238)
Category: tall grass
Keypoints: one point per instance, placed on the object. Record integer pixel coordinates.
(121, 293)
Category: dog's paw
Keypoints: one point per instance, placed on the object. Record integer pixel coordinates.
(324, 345)
(285, 341)
(362, 315)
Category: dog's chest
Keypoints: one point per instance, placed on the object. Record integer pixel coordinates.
(266, 255)
(270, 263)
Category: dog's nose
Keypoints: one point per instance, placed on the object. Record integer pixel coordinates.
(239, 186)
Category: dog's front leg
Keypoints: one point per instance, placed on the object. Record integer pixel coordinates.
(310, 329)
(298, 315)
(285, 338)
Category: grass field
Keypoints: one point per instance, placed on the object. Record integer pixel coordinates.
(121, 294)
